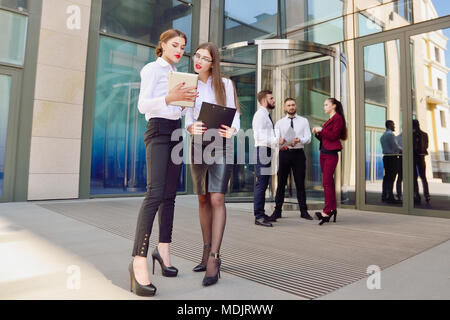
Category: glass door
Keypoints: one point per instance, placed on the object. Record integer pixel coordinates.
(8, 116)
(402, 104)
(383, 107)
(302, 70)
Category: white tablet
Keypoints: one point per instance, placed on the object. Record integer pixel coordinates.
(175, 78)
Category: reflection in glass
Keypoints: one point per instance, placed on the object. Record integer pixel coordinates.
(21, 5)
(382, 123)
(301, 13)
(428, 10)
(375, 88)
(239, 65)
(326, 33)
(250, 19)
(145, 20)
(13, 36)
(118, 152)
(5, 91)
(367, 26)
(431, 133)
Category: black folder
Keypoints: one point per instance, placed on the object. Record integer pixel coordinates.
(214, 115)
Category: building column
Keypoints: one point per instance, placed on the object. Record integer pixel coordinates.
(58, 100)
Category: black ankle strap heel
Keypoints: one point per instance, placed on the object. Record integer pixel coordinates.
(208, 281)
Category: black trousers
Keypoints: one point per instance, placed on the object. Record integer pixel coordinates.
(294, 160)
(399, 175)
(262, 180)
(390, 163)
(162, 180)
(420, 171)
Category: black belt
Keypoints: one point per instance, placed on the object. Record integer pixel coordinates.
(293, 150)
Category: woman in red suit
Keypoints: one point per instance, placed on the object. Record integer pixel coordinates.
(330, 136)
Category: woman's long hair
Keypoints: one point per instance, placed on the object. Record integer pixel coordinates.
(216, 74)
(166, 36)
(340, 111)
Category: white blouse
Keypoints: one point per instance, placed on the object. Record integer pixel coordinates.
(152, 96)
(206, 94)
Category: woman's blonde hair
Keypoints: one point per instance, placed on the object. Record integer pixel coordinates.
(217, 83)
(166, 36)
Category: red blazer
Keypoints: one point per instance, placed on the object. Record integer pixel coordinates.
(331, 133)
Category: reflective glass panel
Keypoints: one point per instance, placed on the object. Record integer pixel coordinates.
(431, 119)
(145, 20)
(240, 66)
(326, 33)
(383, 138)
(250, 19)
(5, 91)
(367, 26)
(301, 13)
(118, 151)
(21, 5)
(13, 37)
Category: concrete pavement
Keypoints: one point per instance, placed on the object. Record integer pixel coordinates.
(49, 255)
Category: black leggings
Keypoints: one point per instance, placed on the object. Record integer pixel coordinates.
(162, 180)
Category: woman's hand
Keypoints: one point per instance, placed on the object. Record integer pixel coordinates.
(197, 128)
(281, 141)
(226, 132)
(180, 93)
(316, 130)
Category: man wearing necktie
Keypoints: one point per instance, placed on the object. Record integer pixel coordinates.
(292, 157)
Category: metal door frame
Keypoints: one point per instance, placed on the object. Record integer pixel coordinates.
(11, 136)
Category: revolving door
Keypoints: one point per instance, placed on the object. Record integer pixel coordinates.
(305, 71)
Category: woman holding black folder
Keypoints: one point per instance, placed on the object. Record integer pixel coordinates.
(211, 180)
(162, 173)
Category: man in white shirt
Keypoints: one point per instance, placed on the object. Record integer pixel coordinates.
(265, 141)
(292, 157)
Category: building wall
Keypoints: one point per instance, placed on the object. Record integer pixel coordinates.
(58, 101)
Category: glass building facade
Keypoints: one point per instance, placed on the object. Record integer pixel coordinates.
(129, 32)
(364, 52)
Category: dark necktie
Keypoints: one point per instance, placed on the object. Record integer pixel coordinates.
(292, 123)
(271, 119)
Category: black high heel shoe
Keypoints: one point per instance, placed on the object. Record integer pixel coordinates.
(202, 267)
(166, 271)
(208, 281)
(140, 290)
(323, 219)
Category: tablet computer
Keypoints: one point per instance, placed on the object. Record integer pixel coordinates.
(175, 78)
(214, 115)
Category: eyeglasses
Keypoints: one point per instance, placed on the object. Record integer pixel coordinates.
(204, 59)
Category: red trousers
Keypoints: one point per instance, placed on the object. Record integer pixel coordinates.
(328, 163)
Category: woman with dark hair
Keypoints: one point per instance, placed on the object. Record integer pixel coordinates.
(330, 135)
(162, 173)
(211, 180)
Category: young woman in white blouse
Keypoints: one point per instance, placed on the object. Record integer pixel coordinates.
(211, 180)
(162, 174)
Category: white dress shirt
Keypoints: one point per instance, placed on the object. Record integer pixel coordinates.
(301, 128)
(263, 130)
(152, 96)
(206, 94)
